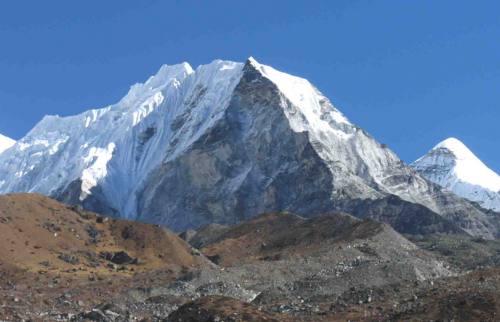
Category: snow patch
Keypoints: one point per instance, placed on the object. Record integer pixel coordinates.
(96, 160)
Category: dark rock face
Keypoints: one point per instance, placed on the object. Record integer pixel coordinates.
(249, 163)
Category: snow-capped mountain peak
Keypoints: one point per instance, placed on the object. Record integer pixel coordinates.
(5, 143)
(454, 166)
(469, 168)
(301, 93)
(219, 143)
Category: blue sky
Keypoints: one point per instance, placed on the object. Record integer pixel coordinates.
(410, 72)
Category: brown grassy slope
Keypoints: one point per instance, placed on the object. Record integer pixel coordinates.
(38, 233)
(280, 235)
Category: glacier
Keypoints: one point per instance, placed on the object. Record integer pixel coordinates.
(220, 143)
(452, 165)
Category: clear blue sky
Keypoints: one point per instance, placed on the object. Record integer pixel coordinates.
(410, 72)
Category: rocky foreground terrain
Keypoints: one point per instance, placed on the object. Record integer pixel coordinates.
(61, 263)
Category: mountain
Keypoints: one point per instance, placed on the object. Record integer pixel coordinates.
(453, 166)
(220, 144)
(5, 143)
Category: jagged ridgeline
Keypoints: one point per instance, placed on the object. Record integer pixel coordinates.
(222, 143)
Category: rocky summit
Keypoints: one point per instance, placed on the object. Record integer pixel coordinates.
(223, 143)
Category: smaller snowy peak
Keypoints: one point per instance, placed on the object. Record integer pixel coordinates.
(5, 143)
(459, 150)
(467, 166)
(454, 166)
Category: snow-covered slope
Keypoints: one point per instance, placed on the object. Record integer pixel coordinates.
(5, 143)
(220, 143)
(117, 146)
(452, 165)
